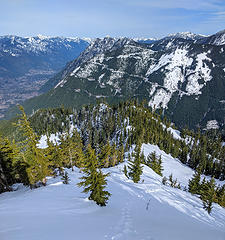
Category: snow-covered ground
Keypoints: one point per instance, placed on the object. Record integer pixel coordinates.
(147, 210)
(54, 138)
(173, 166)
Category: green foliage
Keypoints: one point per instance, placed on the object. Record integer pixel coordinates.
(108, 126)
(52, 154)
(220, 195)
(94, 181)
(65, 178)
(105, 154)
(38, 166)
(110, 130)
(154, 163)
(208, 194)
(71, 150)
(194, 184)
(7, 156)
(135, 167)
(173, 182)
(207, 190)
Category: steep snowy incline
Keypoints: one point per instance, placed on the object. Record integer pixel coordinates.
(147, 210)
(173, 166)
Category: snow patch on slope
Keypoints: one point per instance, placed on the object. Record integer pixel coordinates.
(54, 138)
(212, 124)
(202, 71)
(176, 66)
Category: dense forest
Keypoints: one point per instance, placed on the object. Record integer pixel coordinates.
(102, 136)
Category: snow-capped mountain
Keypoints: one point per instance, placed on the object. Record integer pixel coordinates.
(182, 73)
(217, 39)
(16, 46)
(145, 40)
(186, 36)
(183, 77)
(26, 63)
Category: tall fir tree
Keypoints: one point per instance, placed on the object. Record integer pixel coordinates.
(7, 156)
(94, 181)
(104, 156)
(208, 195)
(194, 184)
(52, 153)
(135, 167)
(154, 163)
(38, 165)
(71, 150)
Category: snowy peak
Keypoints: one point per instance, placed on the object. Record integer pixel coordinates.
(16, 46)
(145, 40)
(186, 36)
(107, 44)
(217, 39)
(97, 47)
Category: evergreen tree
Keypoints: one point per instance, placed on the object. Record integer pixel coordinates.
(65, 178)
(104, 156)
(135, 168)
(208, 195)
(194, 183)
(220, 194)
(7, 156)
(183, 153)
(120, 154)
(172, 181)
(38, 166)
(113, 156)
(94, 181)
(154, 163)
(19, 165)
(52, 153)
(71, 150)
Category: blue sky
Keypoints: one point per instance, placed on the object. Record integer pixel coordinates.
(98, 18)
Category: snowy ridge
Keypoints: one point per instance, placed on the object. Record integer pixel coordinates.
(186, 35)
(97, 47)
(217, 39)
(179, 68)
(147, 210)
(16, 46)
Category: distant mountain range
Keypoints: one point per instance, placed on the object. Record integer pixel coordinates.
(182, 73)
(27, 63)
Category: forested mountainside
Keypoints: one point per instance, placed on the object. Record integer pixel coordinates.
(26, 63)
(182, 75)
(57, 138)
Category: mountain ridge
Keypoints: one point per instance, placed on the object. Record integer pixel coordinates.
(168, 73)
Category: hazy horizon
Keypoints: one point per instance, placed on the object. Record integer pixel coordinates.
(129, 18)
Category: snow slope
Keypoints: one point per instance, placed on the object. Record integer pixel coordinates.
(147, 210)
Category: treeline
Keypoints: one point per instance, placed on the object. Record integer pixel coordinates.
(130, 122)
(110, 131)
